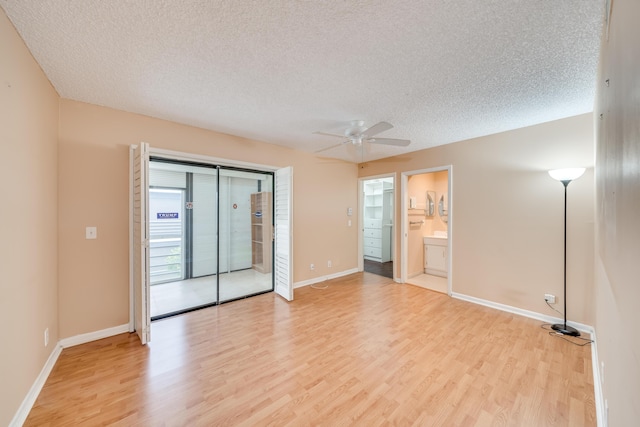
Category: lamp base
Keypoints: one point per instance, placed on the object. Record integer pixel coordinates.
(566, 330)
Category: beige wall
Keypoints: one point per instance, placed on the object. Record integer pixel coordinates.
(506, 213)
(617, 263)
(94, 176)
(506, 219)
(28, 187)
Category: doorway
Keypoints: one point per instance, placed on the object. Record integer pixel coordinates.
(378, 225)
(210, 231)
(276, 229)
(427, 227)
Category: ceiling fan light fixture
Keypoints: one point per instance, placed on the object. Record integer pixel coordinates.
(356, 134)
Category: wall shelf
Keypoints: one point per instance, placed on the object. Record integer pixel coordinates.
(261, 241)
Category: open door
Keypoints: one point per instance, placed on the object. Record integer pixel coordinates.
(283, 233)
(140, 257)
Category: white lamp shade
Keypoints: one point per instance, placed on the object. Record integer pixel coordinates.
(567, 174)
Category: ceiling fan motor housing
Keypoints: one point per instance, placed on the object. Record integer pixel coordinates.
(354, 132)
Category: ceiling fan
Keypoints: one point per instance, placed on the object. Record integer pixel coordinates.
(356, 134)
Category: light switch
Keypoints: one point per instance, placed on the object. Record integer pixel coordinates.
(92, 233)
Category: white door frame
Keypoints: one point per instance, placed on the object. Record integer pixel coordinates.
(361, 219)
(189, 157)
(404, 198)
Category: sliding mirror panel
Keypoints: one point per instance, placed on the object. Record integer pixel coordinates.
(245, 234)
(210, 235)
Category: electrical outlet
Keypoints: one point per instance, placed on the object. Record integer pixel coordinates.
(46, 337)
(91, 233)
(312, 267)
(551, 299)
(329, 263)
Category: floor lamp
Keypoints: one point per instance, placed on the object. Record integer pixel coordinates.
(565, 176)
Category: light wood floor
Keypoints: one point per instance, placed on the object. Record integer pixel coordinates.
(364, 351)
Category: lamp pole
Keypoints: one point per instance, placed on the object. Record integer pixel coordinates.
(564, 328)
(565, 176)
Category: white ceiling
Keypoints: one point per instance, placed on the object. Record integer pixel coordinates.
(278, 70)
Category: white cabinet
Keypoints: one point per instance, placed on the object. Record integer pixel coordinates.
(435, 256)
(377, 230)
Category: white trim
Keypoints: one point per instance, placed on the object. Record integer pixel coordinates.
(394, 256)
(595, 365)
(190, 157)
(597, 383)
(521, 312)
(323, 278)
(404, 183)
(131, 269)
(360, 223)
(93, 336)
(186, 157)
(23, 412)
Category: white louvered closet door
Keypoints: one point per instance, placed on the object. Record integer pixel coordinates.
(283, 233)
(140, 192)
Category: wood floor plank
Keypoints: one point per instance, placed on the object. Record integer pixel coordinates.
(364, 351)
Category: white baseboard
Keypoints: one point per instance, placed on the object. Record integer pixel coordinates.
(93, 336)
(595, 364)
(597, 383)
(526, 313)
(323, 278)
(23, 412)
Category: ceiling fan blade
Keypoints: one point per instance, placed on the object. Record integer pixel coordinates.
(329, 148)
(390, 141)
(377, 128)
(328, 134)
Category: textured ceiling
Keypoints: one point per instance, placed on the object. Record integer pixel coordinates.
(278, 70)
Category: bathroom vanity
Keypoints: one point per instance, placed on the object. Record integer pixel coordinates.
(435, 254)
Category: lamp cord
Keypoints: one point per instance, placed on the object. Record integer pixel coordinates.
(553, 308)
(574, 340)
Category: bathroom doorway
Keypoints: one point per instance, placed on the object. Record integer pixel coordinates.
(426, 229)
(378, 225)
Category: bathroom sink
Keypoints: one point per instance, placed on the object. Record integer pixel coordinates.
(438, 240)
